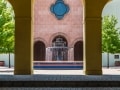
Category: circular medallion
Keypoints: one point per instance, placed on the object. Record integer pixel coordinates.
(59, 9)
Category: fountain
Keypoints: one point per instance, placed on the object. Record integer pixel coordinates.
(58, 51)
(59, 56)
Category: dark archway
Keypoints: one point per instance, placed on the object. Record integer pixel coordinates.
(78, 51)
(39, 51)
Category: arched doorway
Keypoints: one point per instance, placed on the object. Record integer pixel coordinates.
(59, 49)
(78, 51)
(39, 51)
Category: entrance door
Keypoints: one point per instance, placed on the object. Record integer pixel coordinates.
(39, 51)
(78, 51)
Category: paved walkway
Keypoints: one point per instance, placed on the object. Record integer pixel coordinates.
(110, 71)
(112, 74)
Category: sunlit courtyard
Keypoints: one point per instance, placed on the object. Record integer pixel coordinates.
(106, 71)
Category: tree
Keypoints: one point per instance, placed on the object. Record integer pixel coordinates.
(7, 28)
(110, 36)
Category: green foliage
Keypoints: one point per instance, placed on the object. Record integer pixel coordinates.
(7, 27)
(110, 35)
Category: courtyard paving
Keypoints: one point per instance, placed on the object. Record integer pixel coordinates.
(106, 71)
(111, 74)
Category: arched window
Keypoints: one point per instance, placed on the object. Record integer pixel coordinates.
(78, 51)
(39, 51)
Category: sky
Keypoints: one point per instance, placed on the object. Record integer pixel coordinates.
(112, 8)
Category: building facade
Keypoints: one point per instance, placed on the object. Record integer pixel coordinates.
(24, 20)
(58, 39)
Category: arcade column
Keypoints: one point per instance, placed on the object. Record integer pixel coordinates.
(92, 36)
(23, 37)
(92, 46)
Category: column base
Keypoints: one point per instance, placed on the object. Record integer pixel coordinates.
(23, 72)
(92, 72)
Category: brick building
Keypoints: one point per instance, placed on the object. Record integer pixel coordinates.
(58, 39)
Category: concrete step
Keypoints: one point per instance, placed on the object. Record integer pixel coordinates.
(60, 88)
(59, 81)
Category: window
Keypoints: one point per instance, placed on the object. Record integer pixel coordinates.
(116, 56)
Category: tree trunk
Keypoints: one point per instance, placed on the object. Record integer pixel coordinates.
(9, 61)
(107, 60)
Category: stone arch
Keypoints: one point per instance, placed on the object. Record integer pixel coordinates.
(59, 34)
(114, 5)
(76, 40)
(39, 51)
(92, 36)
(12, 4)
(23, 10)
(104, 4)
(23, 44)
(81, 48)
(44, 44)
(63, 38)
(78, 51)
(42, 40)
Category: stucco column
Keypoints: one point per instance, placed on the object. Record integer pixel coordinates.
(46, 57)
(71, 54)
(68, 55)
(92, 36)
(92, 46)
(23, 46)
(23, 37)
(48, 54)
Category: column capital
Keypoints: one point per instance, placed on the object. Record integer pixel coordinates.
(93, 18)
(27, 18)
